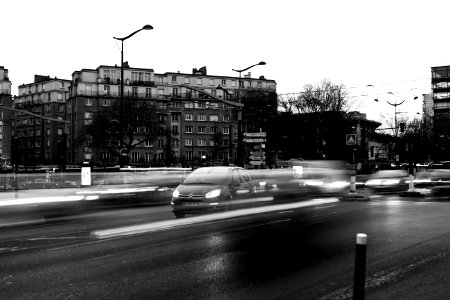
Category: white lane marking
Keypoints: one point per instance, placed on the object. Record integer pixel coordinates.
(168, 224)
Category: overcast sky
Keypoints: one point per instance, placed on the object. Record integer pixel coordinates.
(391, 45)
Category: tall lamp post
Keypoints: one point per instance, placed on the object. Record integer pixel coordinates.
(121, 152)
(239, 158)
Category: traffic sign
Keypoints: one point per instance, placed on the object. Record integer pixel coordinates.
(254, 134)
(350, 139)
(257, 153)
(257, 157)
(255, 140)
(257, 162)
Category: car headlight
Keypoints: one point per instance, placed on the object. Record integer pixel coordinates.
(176, 193)
(213, 193)
(373, 182)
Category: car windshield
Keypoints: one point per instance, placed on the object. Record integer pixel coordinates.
(207, 176)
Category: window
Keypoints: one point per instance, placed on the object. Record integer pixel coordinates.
(161, 104)
(148, 157)
(147, 76)
(47, 107)
(199, 81)
(224, 82)
(233, 83)
(186, 80)
(226, 130)
(202, 142)
(160, 143)
(107, 90)
(59, 96)
(226, 142)
(148, 93)
(48, 143)
(148, 143)
(135, 157)
(201, 129)
(188, 142)
(60, 107)
(189, 117)
(226, 118)
(201, 117)
(259, 84)
(214, 129)
(134, 76)
(175, 129)
(60, 131)
(88, 102)
(214, 92)
(87, 118)
(88, 139)
(1, 128)
(106, 102)
(175, 117)
(38, 132)
(174, 78)
(189, 129)
(214, 118)
(188, 105)
(211, 81)
(175, 142)
(175, 91)
(134, 91)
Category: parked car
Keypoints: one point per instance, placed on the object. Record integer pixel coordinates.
(211, 189)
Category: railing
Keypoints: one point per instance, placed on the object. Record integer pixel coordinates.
(129, 94)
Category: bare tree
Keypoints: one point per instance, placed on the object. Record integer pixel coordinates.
(139, 126)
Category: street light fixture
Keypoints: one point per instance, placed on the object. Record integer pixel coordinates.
(146, 27)
(239, 160)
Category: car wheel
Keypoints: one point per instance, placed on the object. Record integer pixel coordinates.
(179, 215)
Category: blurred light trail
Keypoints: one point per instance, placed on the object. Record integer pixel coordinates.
(168, 224)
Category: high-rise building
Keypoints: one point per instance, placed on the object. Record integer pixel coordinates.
(5, 116)
(440, 80)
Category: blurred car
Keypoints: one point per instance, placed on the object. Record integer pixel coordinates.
(322, 177)
(210, 189)
(386, 181)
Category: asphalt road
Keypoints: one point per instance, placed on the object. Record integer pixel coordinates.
(304, 250)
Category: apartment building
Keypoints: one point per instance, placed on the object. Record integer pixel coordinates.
(195, 113)
(40, 130)
(440, 113)
(5, 116)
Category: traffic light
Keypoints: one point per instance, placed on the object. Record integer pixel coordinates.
(402, 127)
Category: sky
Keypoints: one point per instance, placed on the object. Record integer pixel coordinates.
(378, 49)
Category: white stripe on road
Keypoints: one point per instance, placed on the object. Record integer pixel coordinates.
(162, 225)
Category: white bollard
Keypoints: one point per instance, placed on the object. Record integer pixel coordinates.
(411, 182)
(352, 184)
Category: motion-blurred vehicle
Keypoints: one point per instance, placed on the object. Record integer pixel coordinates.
(436, 180)
(322, 177)
(387, 181)
(211, 189)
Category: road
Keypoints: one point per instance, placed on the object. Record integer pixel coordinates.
(300, 251)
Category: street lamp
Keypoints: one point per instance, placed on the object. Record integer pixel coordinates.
(146, 27)
(239, 160)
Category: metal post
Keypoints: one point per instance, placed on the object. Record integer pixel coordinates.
(360, 267)
(239, 149)
(121, 106)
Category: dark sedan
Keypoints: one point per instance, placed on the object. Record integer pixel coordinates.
(210, 189)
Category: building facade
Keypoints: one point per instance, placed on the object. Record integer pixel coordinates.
(195, 115)
(39, 127)
(5, 116)
(440, 113)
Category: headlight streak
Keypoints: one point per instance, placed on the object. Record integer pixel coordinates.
(169, 224)
(41, 200)
(213, 194)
